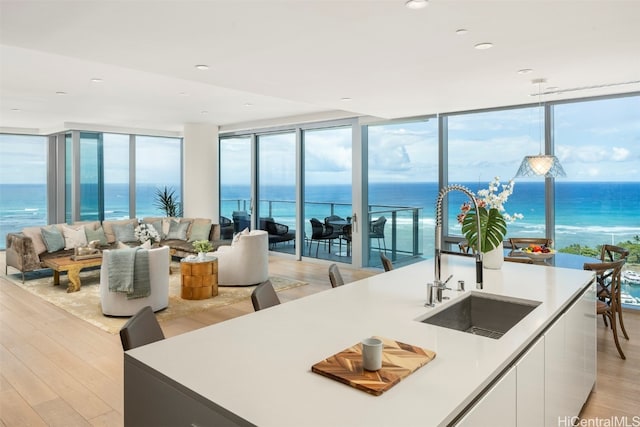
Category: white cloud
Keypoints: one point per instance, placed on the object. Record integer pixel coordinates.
(620, 154)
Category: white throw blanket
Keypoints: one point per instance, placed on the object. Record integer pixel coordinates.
(129, 272)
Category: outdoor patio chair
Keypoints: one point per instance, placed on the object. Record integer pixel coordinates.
(376, 231)
(320, 232)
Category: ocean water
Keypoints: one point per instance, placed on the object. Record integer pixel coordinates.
(588, 214)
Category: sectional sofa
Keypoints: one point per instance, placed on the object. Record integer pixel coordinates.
(26, 250)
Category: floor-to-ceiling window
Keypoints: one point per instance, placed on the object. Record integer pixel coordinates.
(484, 145)
(91, 197)
(235, 184)
(116, 175)
(23, 183)
(598, 143)
(327, 191)
(402, 187)
(158, 166)
(277, 189)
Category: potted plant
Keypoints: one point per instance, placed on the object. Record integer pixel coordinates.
(168, 202)
(202, 247)
(493, 221)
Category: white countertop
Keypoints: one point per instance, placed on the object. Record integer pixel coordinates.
(258, 366)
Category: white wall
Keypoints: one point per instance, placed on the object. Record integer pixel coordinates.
(200, 157)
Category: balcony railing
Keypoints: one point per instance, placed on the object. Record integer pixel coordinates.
(402, 231)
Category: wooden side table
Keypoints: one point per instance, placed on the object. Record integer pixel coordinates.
(199, 278)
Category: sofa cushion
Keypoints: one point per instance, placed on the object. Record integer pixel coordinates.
(35, 233)
(108, 227)
(97, 234)
(74, 237)
(124, 232)
(200, 229)
(178, 230)
(53, 239)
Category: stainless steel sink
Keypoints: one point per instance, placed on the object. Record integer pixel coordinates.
(483, 314)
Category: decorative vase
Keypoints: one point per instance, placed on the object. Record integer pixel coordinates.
(494, 259)
(202, 255)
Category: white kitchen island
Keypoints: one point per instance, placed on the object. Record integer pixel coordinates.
(256, 369)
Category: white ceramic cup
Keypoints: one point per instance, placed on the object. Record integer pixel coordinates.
(371, 354)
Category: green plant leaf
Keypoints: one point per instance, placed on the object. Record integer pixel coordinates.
(167, 202)
(493, 228)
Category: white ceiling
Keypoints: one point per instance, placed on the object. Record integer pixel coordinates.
(300, 57)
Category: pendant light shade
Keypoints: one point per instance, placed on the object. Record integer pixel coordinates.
(549, 166)
(543, 164)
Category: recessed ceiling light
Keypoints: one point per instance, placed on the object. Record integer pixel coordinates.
(461, 31)
(16, 110)
(346, 99)
(525, 71)
(416, 4)
(96, 80)
(204, 112)
(202, 67)
(248, 104)
(483, 46)
(61, 93)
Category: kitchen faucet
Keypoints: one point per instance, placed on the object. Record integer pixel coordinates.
(438, 242)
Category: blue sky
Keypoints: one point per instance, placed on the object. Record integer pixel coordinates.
(595, 141)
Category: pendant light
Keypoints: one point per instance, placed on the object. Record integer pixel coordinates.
(543, 164)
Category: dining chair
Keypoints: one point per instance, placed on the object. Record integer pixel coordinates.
(141, 329)
(609, 253)
(611, 309)
(386, 262)
(264, 296)
(335, 277)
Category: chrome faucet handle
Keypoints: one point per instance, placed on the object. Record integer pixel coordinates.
(430, 295)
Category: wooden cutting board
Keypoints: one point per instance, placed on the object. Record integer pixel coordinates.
(399, 360)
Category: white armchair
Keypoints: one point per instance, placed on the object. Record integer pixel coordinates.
(246, 261)
(117, 304)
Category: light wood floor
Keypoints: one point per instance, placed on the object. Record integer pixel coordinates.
(57, 370)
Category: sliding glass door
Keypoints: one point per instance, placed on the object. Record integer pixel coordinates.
(277, 189)
(235, 185)
(328, 193)
(402, 187)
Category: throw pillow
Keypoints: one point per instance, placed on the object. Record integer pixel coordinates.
(200, 231)
(125, 232)
(36, 237)
(97, 234)
(236, 237)
(53, 239)
(178, 230)
(158, 226)
(74, 237)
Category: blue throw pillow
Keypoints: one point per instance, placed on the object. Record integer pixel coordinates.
(178, 230)
(53, 238)
(97, 234)
(125, 232)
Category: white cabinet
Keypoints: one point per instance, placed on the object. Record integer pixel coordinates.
(530, 386)
(570, 360)
(549, 381)
(497, 407)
